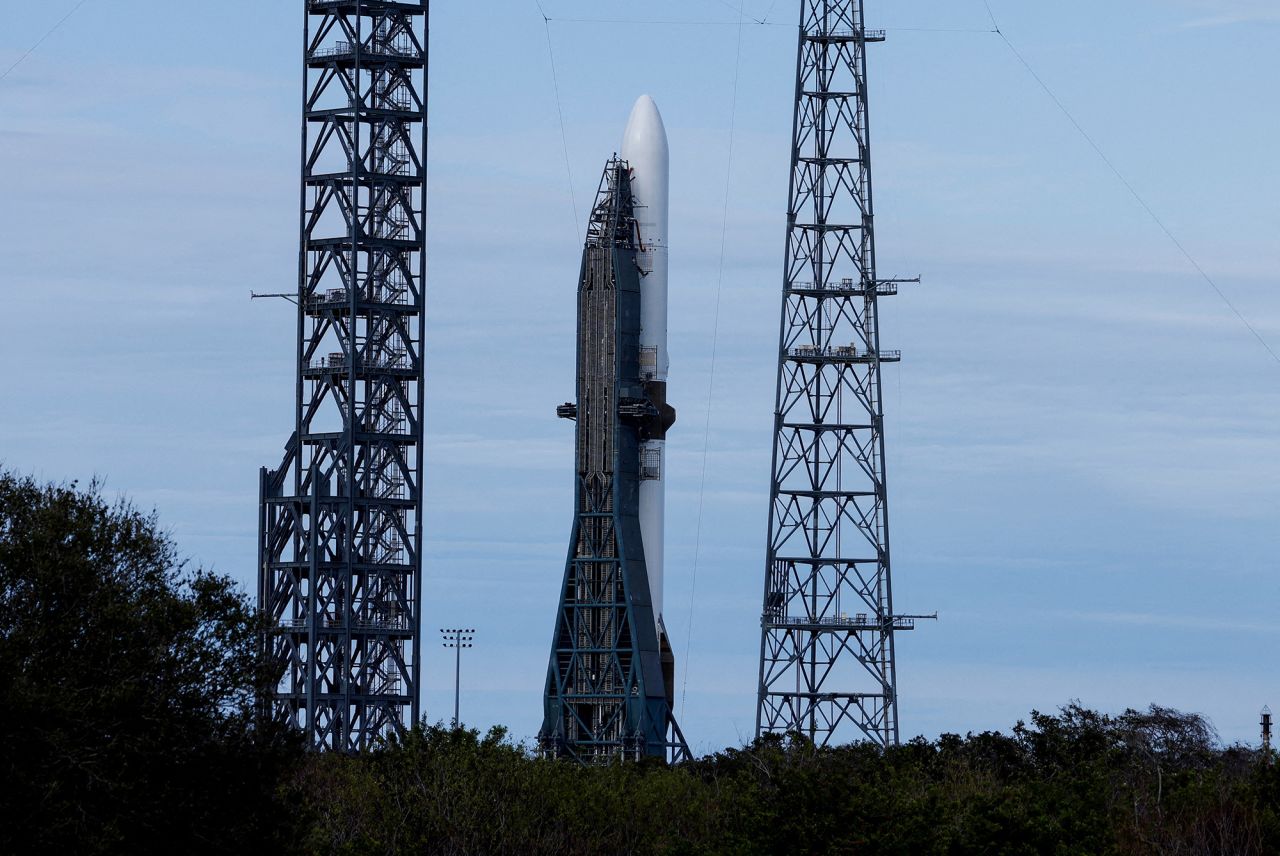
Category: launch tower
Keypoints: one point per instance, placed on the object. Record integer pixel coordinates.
(341, 518)
(827, 631)
(607, 695)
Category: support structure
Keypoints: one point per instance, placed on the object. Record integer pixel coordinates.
(1265, 724)
(457, 638)
(607, 697)
(341, 517)
(827, 631)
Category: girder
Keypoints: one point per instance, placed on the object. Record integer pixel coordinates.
(341, 520)
(827, 629)
(607, 697)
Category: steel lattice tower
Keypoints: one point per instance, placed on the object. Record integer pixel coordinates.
(608, 695)
(827, 631)
(341, 518)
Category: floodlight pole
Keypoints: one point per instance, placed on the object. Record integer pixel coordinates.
(457, 638)
(1266, 735)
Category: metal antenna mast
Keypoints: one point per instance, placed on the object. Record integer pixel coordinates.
(341, 518)
(827, 630)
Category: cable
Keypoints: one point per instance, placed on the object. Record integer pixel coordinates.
(711, 381)
(991, 15)
(1128, 186)
(655, 21)
(51, 31)
(740, 9)
(641, 22)
(564, 137)
(937, 30)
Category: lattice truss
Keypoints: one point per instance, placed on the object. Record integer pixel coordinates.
(341, 551)
(605, 697)
(827, 642)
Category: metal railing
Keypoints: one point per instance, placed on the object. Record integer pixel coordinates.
(846, 285)
(336, 49)
(843, 353)
(330, 623)
(403, 48)
(850, 33)
(341, 296)
(858, 621)
(338, 362)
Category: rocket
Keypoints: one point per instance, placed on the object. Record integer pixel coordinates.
(611, 675)
(644, 147)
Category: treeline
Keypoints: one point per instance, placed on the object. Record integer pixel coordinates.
(127, 687)
(1075, 783)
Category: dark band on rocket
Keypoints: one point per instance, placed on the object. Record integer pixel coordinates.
(656, 426)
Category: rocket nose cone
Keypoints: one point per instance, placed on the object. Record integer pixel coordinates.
(644, 104)
(644, 128)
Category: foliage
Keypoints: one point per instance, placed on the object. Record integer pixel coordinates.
(127, 715)
(127, 685)
(1078, 782)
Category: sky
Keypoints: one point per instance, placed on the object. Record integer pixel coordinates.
(1083, 459)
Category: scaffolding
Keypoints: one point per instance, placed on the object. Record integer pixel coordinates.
(823, 674)
(609, 694)
(341, 518)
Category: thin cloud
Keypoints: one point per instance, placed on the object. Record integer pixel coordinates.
(1231, 20)
(1226, 14)
(1212, 623)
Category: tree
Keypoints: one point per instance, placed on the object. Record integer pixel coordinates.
(127, 685)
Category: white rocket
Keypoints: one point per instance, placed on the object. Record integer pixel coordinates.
(644, 147)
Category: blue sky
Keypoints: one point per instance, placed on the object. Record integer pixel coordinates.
(1083, 458)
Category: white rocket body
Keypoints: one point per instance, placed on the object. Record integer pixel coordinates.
(644, 147)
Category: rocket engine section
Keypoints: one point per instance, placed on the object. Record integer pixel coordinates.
(608, 694)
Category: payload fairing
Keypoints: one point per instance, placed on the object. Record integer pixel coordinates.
(644, 148)
(610, 679)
